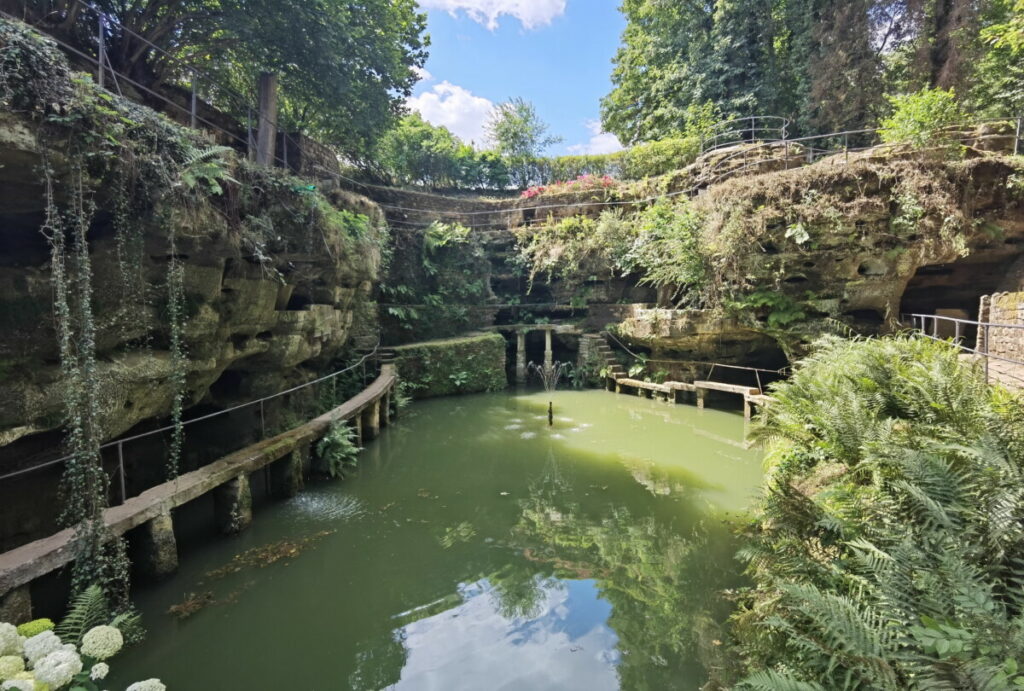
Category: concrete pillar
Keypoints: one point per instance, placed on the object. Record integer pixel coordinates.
(548, 356)
(520, 357)
(370, 418)
(384, 412)
(156, 554)
(232, 503)
(16, 606)
(748, 409)
(286, 475)
(357, 422)
(700, 398)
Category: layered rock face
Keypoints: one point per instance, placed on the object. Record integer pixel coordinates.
(262, 318)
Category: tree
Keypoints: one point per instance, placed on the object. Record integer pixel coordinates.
(825, 64)
(520, 137)
(416, 152)
(345, 67)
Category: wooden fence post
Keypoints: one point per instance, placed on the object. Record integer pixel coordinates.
(266, 136)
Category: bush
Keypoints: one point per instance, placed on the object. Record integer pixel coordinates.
(887, 552)
(918, 117)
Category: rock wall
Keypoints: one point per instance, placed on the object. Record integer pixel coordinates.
(275, 272)
(468, 364)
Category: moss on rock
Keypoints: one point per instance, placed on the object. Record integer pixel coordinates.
(470, 364)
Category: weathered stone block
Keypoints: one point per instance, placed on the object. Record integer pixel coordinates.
(156, 553)
(16, 606)
(233, 505)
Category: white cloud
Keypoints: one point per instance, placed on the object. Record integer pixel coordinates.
(422, 74)
(600, 142)
(532, 13)
(455, 108)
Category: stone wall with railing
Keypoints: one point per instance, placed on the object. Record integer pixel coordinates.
(1002, 308)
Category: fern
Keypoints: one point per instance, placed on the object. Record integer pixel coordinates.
(88, 609)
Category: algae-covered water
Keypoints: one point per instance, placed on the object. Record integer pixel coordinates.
(476, 548)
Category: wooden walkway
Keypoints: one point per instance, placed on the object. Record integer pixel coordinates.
(752, 397)
(369, 410)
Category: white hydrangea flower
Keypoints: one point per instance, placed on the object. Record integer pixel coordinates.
(99, 671)
(41, 645)
(58, 668)
(18, 685)
(102, 642)
(147, 685)
(11, 665)
(10, 641)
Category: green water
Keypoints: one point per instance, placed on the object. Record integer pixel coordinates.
(477, 549)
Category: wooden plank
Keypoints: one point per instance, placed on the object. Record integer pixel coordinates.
(728, 388)
(647, 385)
(28, 562)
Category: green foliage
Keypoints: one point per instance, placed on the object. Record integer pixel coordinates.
(467, 364)
(824, 64)
(998, 87)
(778, 310)
(338, 450)
(918, 117)
(668, 251)
(416, 152)
(88, 609)
(343, 82)
(434, 284)
(888, 548)
(519, 137)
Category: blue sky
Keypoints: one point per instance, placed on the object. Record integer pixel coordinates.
(555, 53)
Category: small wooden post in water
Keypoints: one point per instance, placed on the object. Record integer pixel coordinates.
(551, 414)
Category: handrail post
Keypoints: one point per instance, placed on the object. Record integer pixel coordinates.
(1016, 140)
(987, 350)
(263, 423)
(956, 339)
(102, 48)
(194, 119)
(120, 466)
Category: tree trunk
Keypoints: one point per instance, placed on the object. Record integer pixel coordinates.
(266, 137)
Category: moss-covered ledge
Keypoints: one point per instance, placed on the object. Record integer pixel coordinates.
(461, 365)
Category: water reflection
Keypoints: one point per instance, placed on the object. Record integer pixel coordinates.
(465, 556)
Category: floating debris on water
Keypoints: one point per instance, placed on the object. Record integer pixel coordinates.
(463, 532)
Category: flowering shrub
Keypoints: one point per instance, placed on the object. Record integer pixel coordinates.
(43, 661)
(584, 183)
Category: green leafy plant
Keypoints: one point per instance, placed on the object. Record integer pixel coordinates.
(918, 117)
(887, 547)
(338, 450)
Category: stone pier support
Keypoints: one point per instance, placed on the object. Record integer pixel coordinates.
(520, 357)
(701, 393)
(384, 418)
(16, 606)
(548, 353)
(370, 418)
(286, 475)
(156, 555)
(233, 505)
(357, 423)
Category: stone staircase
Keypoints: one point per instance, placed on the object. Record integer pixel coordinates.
(603, 355)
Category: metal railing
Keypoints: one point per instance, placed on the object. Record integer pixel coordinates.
(118, 444)
(928, 325)
(754, 128)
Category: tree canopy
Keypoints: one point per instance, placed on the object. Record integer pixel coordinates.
(825, 64)
(345, 67)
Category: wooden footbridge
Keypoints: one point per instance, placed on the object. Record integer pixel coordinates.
(678, 392)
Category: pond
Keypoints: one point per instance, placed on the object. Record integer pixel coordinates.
(476, 548)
